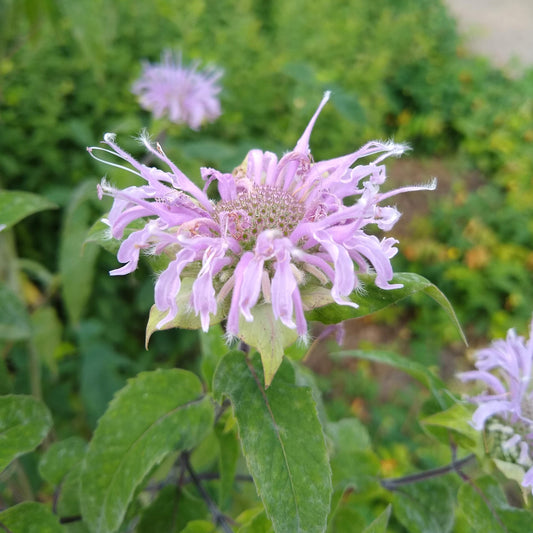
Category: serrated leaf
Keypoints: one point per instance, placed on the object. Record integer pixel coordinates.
(414, 369)
(156, 413)
(379, 525)
(76, 262)
(321, 307)
(16, 205)
(30, 517)
(60, 458)
(24, 423)
(426, 507)
(14, 319)
(282, 442)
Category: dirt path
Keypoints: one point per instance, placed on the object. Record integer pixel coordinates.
(499, 29)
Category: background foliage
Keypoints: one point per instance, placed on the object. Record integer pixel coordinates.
(72, 336)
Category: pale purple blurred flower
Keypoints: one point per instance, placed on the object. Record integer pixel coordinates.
(279, 224)
(506, 407)
(184, 94)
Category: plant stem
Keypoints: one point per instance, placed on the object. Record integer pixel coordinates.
(219, 518)
(454, 466)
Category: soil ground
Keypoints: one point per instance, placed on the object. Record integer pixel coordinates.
(500, 30)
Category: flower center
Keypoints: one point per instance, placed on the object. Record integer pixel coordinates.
(261, 208)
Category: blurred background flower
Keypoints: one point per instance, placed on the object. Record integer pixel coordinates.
(184, 94)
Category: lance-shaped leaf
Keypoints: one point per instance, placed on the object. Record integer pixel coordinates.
(30, 517)
(156, 413)
(24, 423)
(16, 205)
(76, 263)
(282, 441)
(322, 308)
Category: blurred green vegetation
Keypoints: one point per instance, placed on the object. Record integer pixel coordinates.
(396, 69)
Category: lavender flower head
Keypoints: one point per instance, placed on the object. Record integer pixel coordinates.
(182, 93)
(505, 410)
(278, 225)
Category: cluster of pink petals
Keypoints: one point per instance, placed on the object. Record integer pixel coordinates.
(327, 242)
(182, 93)
(506, 368)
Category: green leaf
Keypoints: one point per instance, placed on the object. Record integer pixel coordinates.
(379, 525)
(282, 442)
(69, 500)
(426, 507)
(213, 347)
(14, 319)
(29, 517)
(60, 458)
(414, 369)
(349, 435)
(254, 520)
(322, 308)
(24, 423)
(76, 262)
(16, 205)
(353, 463)
(457, 419)
(156, 413)
(484, 508)
(100, 370)
(510, 470)
(227, 462)
(47, 330)
(162, 514)
(268, 336)
(200, 526)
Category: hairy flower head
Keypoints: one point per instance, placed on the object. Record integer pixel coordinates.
(182, 93)
(505, 409)
(278, 225)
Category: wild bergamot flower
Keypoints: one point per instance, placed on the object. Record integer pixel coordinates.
(278, 225)
(182, 93)
(505, 410)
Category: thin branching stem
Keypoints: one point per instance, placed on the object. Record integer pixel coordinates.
(454, 466)
(218, 517)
